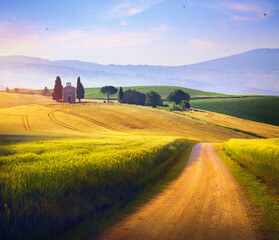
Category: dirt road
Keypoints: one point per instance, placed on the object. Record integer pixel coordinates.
(203, 203)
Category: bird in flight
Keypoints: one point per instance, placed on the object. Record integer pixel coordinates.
(46, 29)
(264, 14)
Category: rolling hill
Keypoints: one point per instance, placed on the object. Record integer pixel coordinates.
(253, 72)
(162, 90)
(259, 109)
(103, 120)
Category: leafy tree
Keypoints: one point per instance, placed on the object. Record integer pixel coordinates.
(177, 96)
(109, 90)
(152, 99)
(185, 104)
(45, 91)
(16, 90)
(57, 92)
(7, 89)
(80, 90)
(120, 95)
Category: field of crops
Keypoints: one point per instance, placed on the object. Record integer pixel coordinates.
(259, 109)
(56, 183)
(262, 130)
(255, 164)
(62, 163)
(14, 99)
(98, 120)
(260, 157)
(162, 90)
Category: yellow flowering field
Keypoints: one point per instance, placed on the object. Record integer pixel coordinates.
(261, 157)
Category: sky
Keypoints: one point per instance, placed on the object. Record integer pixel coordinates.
(154, 32)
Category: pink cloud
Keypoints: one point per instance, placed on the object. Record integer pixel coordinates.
(33, 44)
(134, 11)
(130, 8)
(244, 7)
(249, 12)
(241, 18)
(13, 29)
(124, 23)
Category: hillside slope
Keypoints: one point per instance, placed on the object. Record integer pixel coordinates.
(14, 99)
(259, 109)
(253, 72)
(162, 90)
(102, 120)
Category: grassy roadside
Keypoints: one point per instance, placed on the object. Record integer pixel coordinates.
(262, 197)
(103, 220)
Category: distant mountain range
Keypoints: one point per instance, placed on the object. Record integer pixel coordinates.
(252, 72)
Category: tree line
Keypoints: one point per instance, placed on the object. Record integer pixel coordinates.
(153, 99)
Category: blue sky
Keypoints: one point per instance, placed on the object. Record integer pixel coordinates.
(157, 32)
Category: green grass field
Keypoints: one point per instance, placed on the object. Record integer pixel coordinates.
(255, 164)
(52, 184)
(162, 90)
(259, 109)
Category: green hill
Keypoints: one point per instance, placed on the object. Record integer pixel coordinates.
(162, 90)
(260, 109)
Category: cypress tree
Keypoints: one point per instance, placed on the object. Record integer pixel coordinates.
(80, 90)
(120, 95)
(57, 92)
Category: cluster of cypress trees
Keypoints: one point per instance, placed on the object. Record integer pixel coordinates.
(58, 88)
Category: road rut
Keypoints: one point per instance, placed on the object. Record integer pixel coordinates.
(203, 203)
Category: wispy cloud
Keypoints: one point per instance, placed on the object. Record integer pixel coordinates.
(242, 18)
(162, 28)
(124, 23)
(16, 28)
(14, 40)
(130, 8)
(247, 12)
(201, 44)
(255, 8)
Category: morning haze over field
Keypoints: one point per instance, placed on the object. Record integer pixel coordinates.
(145, 119)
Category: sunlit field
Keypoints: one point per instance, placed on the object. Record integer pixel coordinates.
(14, 99)
(260, 129)
(54, 183)
(95, 119)
(61, 163)
(255, 164)
(261, 157)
